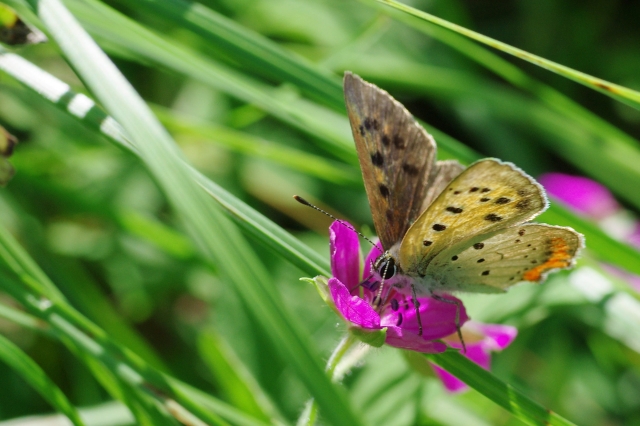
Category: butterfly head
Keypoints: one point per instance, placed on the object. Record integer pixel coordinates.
(386, 266)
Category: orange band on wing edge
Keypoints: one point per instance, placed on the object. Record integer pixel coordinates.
(560, 258)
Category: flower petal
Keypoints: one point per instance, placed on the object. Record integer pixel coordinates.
(450, 382)
(581, 193)
(497, 336)
(400, 338)
(438, 318)
(353, 308)
(475, 353)
(345, 254)
(373, 255)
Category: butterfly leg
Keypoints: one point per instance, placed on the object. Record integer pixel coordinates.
(457, 303)
(416, 305)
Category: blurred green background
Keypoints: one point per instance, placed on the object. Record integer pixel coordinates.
(95, 221)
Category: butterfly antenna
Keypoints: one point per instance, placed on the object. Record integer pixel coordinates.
(342, 222)
(378, 299)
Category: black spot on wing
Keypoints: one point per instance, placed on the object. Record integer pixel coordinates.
(523, 204)
(410, 169)
(385, 140)
(474, 189)
(484, 199)
(399, 142)
(521, 232)
(384, 190)
(427, 243)
(478, 246)
(485, 190)
(480, 260)
(492, 217)
(439, 227)
(485, 273)
(377, 159)
(454, 258)
(455, 210)
(361, 129)
(502, 200)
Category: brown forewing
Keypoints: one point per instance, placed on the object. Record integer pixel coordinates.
(396, 157)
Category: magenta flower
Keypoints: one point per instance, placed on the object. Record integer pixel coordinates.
(582, 194)
(481, 340)
(397, 316)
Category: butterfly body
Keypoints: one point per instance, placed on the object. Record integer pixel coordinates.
(445, 228)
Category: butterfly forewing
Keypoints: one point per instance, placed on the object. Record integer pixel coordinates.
(487, 197)
(396, 157)
(521, 253)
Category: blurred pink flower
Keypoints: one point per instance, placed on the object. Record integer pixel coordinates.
(582, 194)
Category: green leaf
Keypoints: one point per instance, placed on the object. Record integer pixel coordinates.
(251, 50)
(234, 379)
(36, 377)
(324, 126)
(497, 391)
(374, 338)
(311, 165)
(217, 239)
(615, 91)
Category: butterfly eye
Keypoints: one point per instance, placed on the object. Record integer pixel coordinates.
(387, 268)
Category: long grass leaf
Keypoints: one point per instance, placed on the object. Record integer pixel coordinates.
(216, 238)
(251, 50)
(615, 91)
(497, 391)
(32, 373)
(86, 111)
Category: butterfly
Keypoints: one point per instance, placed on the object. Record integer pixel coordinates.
(445, 228)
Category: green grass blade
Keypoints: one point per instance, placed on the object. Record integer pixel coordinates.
(234, 379)
(244, 143)
(254, 223)
(216, 238)
(86, 111)
(324, 126)
(615, 91)
(251, 50)
(497, 391)
(36, 377)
